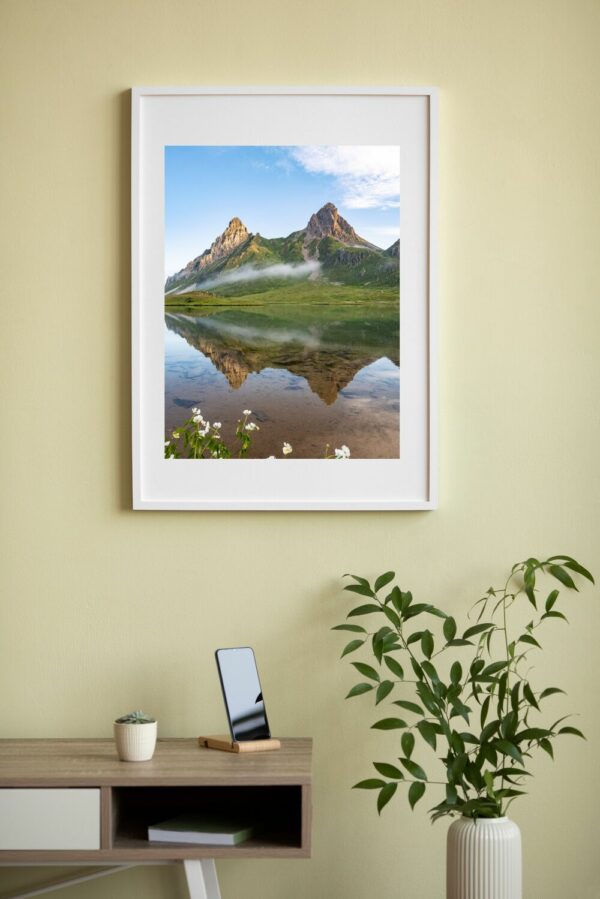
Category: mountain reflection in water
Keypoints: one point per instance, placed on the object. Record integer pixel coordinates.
(312, 375)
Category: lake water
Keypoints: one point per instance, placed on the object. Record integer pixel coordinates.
(312, 375)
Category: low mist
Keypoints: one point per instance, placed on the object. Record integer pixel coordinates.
(253, 273)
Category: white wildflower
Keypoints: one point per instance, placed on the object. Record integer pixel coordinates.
(343, 452)
(247, 412)
(287, 449)
(198, 419)
(167, 442)
(204, 431)
(217, 425)
(176, 435)
(269, 458)
(251, 426)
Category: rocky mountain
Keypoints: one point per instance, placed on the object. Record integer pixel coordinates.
(234, 234)
(327, 222)
(343, 256)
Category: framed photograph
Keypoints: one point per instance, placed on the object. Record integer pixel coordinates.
(283, 276)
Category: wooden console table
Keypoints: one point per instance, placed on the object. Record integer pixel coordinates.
(72, 802)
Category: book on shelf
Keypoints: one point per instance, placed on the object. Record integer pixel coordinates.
(203, 830)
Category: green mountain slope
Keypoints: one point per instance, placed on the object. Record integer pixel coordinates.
(327, 250)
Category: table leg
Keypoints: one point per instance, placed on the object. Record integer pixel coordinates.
(201, 876)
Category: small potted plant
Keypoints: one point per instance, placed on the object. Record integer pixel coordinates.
(468, 697)
(135, 737)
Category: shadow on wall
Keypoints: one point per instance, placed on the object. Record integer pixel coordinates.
(122, 299)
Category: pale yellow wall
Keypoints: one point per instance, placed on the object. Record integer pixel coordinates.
(103, 608)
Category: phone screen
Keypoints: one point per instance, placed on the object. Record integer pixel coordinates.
(243, 694)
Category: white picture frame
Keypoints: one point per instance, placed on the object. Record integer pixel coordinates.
(197, 116)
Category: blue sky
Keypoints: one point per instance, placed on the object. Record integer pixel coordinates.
(275, 190)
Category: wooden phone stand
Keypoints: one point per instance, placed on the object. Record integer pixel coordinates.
(226, 744)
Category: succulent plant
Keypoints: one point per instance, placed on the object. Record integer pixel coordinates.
(138, 717)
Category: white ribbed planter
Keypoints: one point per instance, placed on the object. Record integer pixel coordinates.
(483, 859)
(135, 742)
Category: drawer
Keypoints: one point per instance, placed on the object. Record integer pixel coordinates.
(49, 819)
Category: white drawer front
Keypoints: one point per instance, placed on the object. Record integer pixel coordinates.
(49, 819)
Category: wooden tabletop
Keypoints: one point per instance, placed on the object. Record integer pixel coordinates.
(176, 762)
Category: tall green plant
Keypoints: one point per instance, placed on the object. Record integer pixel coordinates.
(480, 718)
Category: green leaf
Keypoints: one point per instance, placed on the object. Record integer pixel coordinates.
(360, 580)
(572, 730)
(416, 668)
(395, 597)
(363, 610)
(354, 628)
(508, 748)
(371, 783)
(514, 696)
(431, 610)
(359, 689)
(529, 696)
(427, 731)
(550, 691)
(485, 707)
(389, 770)
(384, 689)
(385, 795)
(417, 609)
(383, 580)
(574, 565)
(395, 667)
(489, 730)
(427, 698)
(563, 576)
(414, 638)
(361, 589)
(366, 670)
(473, 775)
(494, 668)
(546, 745)
(459, 642)
(555, 615)
(352, 646)
(392, 616)
(457, 743)
(413, 769)
(427, 644)
(451, 794)
(406, 599)
(409, 706)
(552, 597)
(456, 673)
(416, 792)
(408, 743)
(477, 629)
(389, 724)
(430, 671)
(449, 628)
(532, 733)
(527, 638)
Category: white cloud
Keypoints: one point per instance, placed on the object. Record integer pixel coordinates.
(367, 176)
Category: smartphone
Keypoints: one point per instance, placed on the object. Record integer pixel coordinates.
(242, 693)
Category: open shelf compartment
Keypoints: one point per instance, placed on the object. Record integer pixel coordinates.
(275, 812)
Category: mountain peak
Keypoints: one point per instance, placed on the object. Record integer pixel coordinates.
(327, 222)
(234, 234)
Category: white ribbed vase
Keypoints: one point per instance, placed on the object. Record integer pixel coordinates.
(135, 742)
(483, 859)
